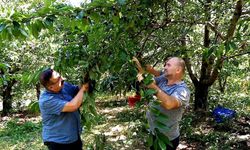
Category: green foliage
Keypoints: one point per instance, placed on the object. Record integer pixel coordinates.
(147, 97)
(29, 78)
(99, 143)
(13, 127)
(33, 107)
(17, 130)
(24, 135)
(148, 79)
(88, 112)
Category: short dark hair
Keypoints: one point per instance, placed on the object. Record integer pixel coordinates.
(45, 77)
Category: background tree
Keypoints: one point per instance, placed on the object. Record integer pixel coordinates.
(22, 56)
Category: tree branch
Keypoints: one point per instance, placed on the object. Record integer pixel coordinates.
(246, 12)
(165, 22)
(236, 55)
(212, 27)
(188, 64)
(190, 72)
(215, 72)
(234, 20)
(205, 66)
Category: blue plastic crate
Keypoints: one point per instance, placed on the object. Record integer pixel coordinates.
(222, 114)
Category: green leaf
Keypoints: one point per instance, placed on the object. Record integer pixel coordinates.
(150, 92)
(2, 27)
(123, 56)
(83, 25)
(205, 53)
(36, 27)
(6, 34)
(233, 45)
(156, 103)
(49, 20)
(16, 32)
(92, 110)
(10, 34)
(211, 50)
(227, 46)
(162, 144)
(161, 126)
(39, 25)
(84, 64)
(34, 107)
(95, 16)
(116, 19)
(93, 74)
(16, 24)
(156, 144)
(148, 79)
(34, 31)
(4, 65)
(219, 51)
(162, 118)
(150, 140)
(163, 137)
(85, 21)
(245, 28)
(48, 3)
(155, 111)
(23, 32)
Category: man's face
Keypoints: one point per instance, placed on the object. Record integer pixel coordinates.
(56, 82)
(170, 67)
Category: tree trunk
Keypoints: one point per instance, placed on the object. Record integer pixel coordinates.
(222, 83)
(201, 95)
(38, 91)
(211, 67)
(7, 97)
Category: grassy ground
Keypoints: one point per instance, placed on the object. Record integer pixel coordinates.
(21, 132)
(122, 128)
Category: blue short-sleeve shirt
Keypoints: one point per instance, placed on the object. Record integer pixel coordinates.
(60, 127)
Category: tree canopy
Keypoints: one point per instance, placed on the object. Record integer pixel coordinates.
(99, 39)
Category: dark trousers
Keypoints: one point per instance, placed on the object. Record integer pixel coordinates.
(175, 143)
(77, 145)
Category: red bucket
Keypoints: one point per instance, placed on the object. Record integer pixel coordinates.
(133, 99)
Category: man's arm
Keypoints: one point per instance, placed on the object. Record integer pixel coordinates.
(167, 101)
(76, 102)
(151, 70)
(148, 68)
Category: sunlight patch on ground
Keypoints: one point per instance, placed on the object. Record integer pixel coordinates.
(20, 119)
(112, 111)
(110, 98)
(204, 129)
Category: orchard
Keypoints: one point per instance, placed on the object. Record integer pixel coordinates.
(95, 42)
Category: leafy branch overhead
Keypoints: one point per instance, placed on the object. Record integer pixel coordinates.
(101, 37)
